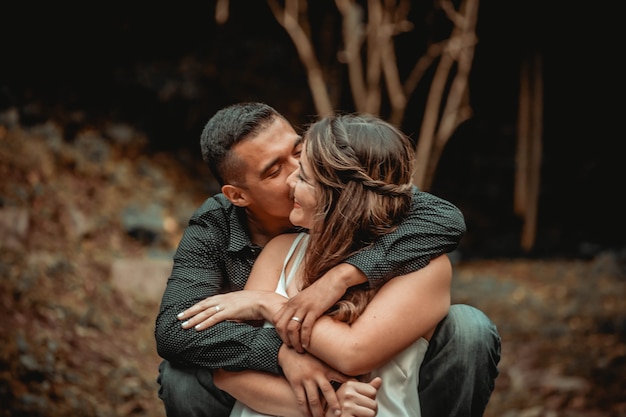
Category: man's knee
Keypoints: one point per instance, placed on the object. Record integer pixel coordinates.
(469, 328)
(466, 339)
(191, 392)
(477, 341)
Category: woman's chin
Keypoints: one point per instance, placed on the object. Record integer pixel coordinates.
(297, 220)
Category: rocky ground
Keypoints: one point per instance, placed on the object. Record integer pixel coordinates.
(88, 229)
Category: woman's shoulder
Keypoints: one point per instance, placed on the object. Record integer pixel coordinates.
(283, 242)
(284, 245)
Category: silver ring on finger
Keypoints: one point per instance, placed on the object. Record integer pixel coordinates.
(217, 309)
(298, 319)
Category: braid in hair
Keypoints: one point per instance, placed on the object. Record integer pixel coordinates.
(364, 167)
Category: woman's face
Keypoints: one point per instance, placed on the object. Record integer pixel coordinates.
(305, 190)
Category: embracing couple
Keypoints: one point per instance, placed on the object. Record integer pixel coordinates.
(317, 282)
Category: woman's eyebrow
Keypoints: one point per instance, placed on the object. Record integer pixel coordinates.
(302, 171)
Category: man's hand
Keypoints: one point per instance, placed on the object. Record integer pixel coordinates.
(294, 321)
(308, 377)
(358, 399)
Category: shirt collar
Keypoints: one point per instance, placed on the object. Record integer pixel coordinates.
(240, 238)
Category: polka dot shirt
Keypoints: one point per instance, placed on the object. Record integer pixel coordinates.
(216, 255)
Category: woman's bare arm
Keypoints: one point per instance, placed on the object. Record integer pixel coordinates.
(265, 393)
(270, 394)
(404, 309)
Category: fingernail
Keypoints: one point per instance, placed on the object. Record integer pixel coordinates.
(180, 315)
(185, 323)
(197, 327)
(337, 412)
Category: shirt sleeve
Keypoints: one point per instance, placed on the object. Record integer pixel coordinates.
(199, 271)
(433, 227)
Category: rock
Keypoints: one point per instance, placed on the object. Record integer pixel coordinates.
(141, 279)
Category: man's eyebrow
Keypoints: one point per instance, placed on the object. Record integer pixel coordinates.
(269, 166)
(298, 142)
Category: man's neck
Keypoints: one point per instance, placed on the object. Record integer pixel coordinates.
(263, 230)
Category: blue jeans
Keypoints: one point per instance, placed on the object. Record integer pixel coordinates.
(190, 392)
(459, 370)
(457, 375)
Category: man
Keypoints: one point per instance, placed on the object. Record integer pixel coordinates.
(251, 150)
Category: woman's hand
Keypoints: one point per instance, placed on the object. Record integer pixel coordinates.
(311, 303)
(245, 305)
(357, 399)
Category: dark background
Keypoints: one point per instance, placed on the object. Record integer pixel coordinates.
(167, 68)
(81, 276)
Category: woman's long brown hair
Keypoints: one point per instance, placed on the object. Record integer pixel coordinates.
(363, 166)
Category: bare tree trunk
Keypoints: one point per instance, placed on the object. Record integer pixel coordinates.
(457, 108)
(529, 229)
(373, 67)
(520, 196)
(353, 38)
(431, 120)
(436, 129)
(287, 17)
(221, 11)
(394, 22)
(385, 20)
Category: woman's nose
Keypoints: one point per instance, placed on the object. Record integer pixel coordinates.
(291, 178)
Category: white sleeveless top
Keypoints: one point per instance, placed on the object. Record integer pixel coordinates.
(397, 397)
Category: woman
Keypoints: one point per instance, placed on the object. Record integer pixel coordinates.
(353, 185)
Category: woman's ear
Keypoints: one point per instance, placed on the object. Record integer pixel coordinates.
(236, 195)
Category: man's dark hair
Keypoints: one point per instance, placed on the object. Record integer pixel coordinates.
(228, 127)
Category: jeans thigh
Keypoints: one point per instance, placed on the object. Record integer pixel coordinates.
(459, 370)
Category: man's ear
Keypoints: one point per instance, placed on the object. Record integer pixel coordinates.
(236, 195)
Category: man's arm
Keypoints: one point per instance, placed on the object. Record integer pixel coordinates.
(433, 227)
(198, 272)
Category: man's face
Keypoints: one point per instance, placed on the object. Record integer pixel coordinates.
(270, 158)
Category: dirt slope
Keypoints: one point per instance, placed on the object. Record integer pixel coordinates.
(77, 339)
